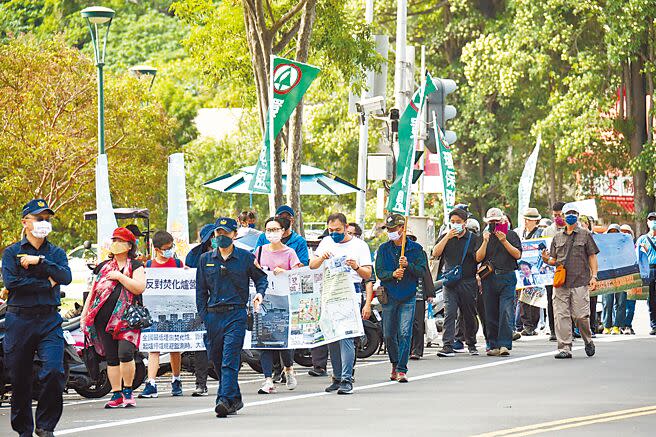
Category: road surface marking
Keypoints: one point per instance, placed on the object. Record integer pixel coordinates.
(497, 362)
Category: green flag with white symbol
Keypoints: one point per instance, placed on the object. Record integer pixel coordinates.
(290, 81)
(401, 189)
(447, 169)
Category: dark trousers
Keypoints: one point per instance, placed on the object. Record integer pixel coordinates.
(550, 310)
(201, 364)
(320, 357)
(499, 292)
(530, 316)
(652, 298)
(25, 336)
(268, 356)
(418, 329)
(480, 310)
(593, 314)
(461, 296)
(225, 334)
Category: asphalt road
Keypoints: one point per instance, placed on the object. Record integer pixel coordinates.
(528, 393)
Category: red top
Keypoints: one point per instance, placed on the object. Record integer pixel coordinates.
(171, 262)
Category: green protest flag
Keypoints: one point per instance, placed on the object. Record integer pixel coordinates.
(447, 169)
(400, 191)
(289, 82)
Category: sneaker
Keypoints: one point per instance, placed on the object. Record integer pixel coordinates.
(472, 350)
(345, 388)
(626, 330)
(632, 331)
(235, 407)
(333, 387)
(446, 351)
(393, 374)
(590, 349)
(458, 347)
(415, 357)
(563, 355)
(267, 388)
(493, 353)
(291, 382)
(222, 409)
(606, 331)
(516, 336)
(615, 330)
(552, 337)
(43, 433)
(504, 352)
(576, 333)
(200, 391)
(116, 401)
(278, 377)
(176, 388)
(401, 377)
(150, 391)
(316, 371)
(527, 332)
(653, 331)
(128, 398)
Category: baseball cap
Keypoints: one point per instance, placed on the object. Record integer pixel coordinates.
(493, 214)
(206, 232)
(226, 223)
(394, 220)
(570, 207)
(285, 208)
(124, 234)
(36, 206)
(651, 215)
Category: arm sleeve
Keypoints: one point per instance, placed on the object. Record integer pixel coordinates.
(260, 278)
(302, 252)
(364, 257)
(381, 272)
(14, 281)
(58, 269)
(202, 293)
(515, 241)
(418, 265)
(293, 259)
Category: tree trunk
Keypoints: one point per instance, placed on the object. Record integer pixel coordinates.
(552, 174)
(296, 125)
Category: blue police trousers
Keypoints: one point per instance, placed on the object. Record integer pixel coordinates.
(27, 335)
(225, 335)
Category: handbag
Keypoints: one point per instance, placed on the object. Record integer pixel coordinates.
(381, 295)
(453, 276)
(485, 270)
(137, 316)
(560, 275)
(91, 360)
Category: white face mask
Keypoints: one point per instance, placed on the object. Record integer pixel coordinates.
(274, 237)
(457, 226)
(41, 229)
(393, 236)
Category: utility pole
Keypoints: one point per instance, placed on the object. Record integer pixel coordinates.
(422, 132)
(399, 73)
(361, 199)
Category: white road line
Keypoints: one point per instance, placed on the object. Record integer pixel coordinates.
(500, 362)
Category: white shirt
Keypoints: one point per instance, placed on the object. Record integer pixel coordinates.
(355, 249)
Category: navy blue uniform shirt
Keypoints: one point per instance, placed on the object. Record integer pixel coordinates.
(30, 287)
(226, 282)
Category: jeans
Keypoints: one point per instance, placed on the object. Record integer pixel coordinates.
(461, 296)
(550, 310)
(267, 356)
(614, 311)
(397, 329)
(342, 357)
(630, 311)
(25, 335)
(225, 333)
(418, 329)
(652, 297)
(499, 293)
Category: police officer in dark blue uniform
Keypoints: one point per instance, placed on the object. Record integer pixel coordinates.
(222, 282)
(33, 269)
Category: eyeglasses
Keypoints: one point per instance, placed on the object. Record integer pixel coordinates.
(272, 230)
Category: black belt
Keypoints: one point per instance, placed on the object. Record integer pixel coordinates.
(225, 308)
(32, 311)
(502, 272)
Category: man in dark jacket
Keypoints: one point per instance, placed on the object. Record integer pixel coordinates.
(400, 276)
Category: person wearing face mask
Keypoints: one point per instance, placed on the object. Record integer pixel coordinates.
(646, 246)
(574, 249)
(458, 248)
(551, 230)
(289, 237)
(32, 270)
(247, 220)
(339, 244)
(164, 258)
(222, 294)
(119, 283)
(499, 251)
(277, 258)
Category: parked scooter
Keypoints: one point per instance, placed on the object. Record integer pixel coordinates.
(372, 340)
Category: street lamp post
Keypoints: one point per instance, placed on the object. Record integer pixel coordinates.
(97, 17)
(144, 70)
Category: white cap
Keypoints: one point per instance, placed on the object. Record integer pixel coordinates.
(570, 207)
(493, 214)
(473, 225)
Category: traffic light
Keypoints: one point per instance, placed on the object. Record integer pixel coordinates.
(436, 102)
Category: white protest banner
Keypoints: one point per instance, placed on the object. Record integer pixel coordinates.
(170, 297)
(177, 222)
(526, 181)
(586, 207)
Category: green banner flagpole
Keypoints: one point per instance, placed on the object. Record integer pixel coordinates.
(289, 82)
(447, 170)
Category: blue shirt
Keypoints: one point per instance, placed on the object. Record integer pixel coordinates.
(295, 241)
(643, 242)
(30, 287)
(387, 260)
(226, 282)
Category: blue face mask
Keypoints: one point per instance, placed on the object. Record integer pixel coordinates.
(571, 219)
(652, 225)
(337, 237)
(168, 253)
(221, 241)
(251, 225)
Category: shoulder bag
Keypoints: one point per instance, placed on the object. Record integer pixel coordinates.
(453, 276)
(136, 315)
(560, 275)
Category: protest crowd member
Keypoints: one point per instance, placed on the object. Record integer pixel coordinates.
(222, 283)
(529, 315)
(277, 258)
(247, 220)
(576, 251)
(499, 252)
(425, 294)
(355, 230)
(399, 274)
(630, 303)
(33, 270)
(119, 283)
(614, 311)
(164, 258)
(646, 245)
(356, 253)
(201, 363)
(457, 250)
(557, 225)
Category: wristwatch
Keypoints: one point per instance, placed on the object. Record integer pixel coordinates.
(41, 258)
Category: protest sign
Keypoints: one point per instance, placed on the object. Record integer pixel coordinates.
(534, 274)
(170, 296)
